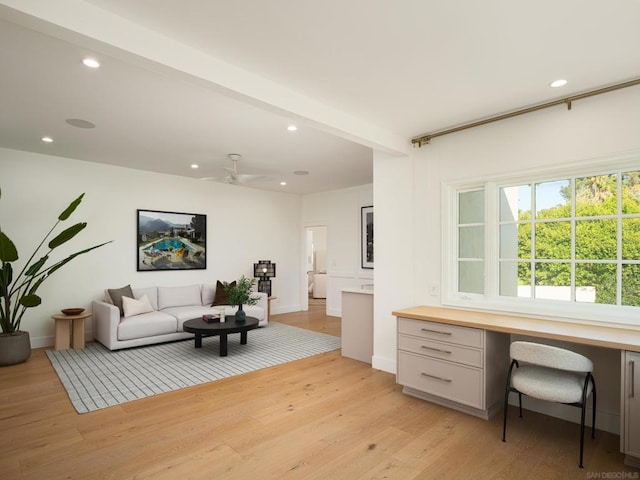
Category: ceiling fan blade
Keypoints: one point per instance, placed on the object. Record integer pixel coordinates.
(246, 178)
(227, 179)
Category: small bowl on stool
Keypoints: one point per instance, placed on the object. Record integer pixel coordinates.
(72, 311)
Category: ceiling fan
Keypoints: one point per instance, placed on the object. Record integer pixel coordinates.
(234, 177)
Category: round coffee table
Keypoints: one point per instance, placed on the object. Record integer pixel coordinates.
(201, 329)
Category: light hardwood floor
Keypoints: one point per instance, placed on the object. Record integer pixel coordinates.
(325, 417)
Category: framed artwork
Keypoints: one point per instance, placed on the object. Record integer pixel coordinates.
(171, 241)
(366, 234)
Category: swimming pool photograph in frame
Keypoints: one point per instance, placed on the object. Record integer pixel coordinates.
(171, 241)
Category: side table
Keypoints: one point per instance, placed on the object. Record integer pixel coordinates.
(66, 336)
(269, 305)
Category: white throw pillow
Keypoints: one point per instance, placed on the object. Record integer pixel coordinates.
(132, 307)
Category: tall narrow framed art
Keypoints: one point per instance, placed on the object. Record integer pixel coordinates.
(366, 234)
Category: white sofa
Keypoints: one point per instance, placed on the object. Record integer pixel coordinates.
(171, 307)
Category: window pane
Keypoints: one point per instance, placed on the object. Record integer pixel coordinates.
(471, 242)
(515, 241)
(596, 195)
(596, 239)
(515, 279)
(631, 285)
(631, 238)
(553, 240)
(553, 199)
(631, 192)
(471, 207)
(553, 281)
(515, 203)
(471, 277)
(596, 283)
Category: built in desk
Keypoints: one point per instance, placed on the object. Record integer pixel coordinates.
(459, 358)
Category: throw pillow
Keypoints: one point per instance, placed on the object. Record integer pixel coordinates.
(221, 297)
(116, 295)
(133, 307)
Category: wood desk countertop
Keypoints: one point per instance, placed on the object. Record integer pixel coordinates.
(588, 334)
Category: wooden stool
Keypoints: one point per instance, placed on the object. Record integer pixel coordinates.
(269, 299)
(67, 337)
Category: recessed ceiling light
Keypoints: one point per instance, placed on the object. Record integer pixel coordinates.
(292, 128)
(91, 62)
(558, 83)
(195, 165)
(283, 184)
(301, 172)
(47, 139)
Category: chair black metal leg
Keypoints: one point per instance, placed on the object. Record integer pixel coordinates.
(520, 403)
(506, 400)
(593, 421)
(584, 407)
(504, 422)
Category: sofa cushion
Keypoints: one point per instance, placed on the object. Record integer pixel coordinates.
(147, 325)
(132, 306)
(116, 294)
(187, 313)
(193, 311)
(221, 297)
(150, 292)
(178, 296)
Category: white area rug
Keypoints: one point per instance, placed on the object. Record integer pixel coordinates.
(97, 378)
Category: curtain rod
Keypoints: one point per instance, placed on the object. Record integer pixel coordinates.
(426, 138)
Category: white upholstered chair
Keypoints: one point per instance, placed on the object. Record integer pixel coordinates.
(553, 374)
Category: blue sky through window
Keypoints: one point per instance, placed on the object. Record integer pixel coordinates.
(548, 195)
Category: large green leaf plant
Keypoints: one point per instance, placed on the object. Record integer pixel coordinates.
(18, 292)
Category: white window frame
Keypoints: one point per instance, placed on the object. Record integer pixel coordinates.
(491, 300)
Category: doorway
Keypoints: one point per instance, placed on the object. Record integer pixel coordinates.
(316, 266)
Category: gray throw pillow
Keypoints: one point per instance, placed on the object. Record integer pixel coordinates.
(116, 295)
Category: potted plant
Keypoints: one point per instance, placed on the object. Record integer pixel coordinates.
(19, 292)
(241, 294)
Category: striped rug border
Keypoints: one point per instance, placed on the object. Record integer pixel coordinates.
(97, 378)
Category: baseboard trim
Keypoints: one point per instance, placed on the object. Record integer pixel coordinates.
(453, 405)
(607, 421)
(384, 364)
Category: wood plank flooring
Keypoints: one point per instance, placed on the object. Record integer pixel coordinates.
(324, 417)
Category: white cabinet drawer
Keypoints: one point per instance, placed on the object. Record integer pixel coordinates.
(471, 337)
(454, 382)
(444, 351)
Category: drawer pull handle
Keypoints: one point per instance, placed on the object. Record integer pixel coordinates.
(448, 380)
(436, 349)
(435, 331)
(633, 378)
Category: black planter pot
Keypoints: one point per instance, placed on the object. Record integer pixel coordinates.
(241, 315)
(14, 348)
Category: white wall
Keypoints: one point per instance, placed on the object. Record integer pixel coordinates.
(243, 226)
(596, 127)
(394, 252)
(339, 210)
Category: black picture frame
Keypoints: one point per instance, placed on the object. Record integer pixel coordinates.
(366, 234)
(170, 241)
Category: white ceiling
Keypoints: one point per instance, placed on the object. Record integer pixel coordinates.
(378, 67)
